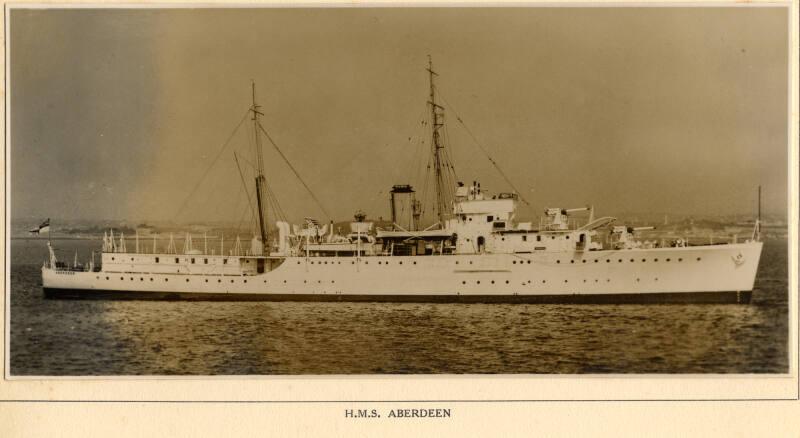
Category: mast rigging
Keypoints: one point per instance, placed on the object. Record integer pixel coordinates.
(260, 179)
(437, 122)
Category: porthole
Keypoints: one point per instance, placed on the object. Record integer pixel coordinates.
(106, 278)
(400, 262)
(584, 261)
(151, 279)
(584, 280)
(463, 282)
(187, 280)
(379, 263)
(141, 279)
(668, 259)
(298, 263)
(112, 259)
(131, 278)
(479, 282)
(245, 281)
(566, 281)
(231, 281)
(529, 262)
(506, 281)
(558, 261)
(470, 262)
(680, 260)
(698, 259)
(305, 281)
(415, 262)
(206, 280)
(620, 260)
(514, 262)
(544, 281)
(632, 260)
(219, 281)
(595, 260)
(655, 260)
(492, 281)
(637, 279)
(572, 261)
(284, 281)
(166, 279)
(644, 260)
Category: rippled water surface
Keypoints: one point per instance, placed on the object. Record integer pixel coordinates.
(65, 337)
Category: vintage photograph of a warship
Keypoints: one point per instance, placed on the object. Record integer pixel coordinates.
(474, 251)
(582, 174)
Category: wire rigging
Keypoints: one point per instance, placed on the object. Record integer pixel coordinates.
(483, 149)
(244, 186)
(286, 160)
(208, 169)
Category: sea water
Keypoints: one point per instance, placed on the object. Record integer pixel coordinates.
(52, 337)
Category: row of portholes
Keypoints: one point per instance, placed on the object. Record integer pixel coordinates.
(219, 280)
(515, 261)
(631, 260)
(608, 280)
(167, 279)
(353, 263)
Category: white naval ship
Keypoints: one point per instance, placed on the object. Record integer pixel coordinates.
(474, 251)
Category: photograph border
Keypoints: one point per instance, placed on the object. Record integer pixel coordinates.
(47, 389)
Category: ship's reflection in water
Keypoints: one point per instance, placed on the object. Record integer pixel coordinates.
(61, 337)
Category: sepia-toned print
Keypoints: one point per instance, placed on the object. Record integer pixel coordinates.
(262, 191)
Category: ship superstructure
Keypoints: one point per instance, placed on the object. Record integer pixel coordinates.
(475, 250)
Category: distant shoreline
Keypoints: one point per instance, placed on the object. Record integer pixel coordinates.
(53, 238)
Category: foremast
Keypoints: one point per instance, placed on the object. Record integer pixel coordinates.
(261, 181)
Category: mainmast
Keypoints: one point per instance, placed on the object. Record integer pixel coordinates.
(437, 121)
(261, 181)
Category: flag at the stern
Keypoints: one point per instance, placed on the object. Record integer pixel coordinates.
(43, 228)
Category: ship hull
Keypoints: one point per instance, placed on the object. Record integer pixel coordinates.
(728, 297)
(720, 273)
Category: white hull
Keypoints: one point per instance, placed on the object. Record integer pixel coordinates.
(479, 277)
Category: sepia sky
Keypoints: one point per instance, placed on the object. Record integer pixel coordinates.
(118, 114)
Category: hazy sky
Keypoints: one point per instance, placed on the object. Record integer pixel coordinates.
(118, 113)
